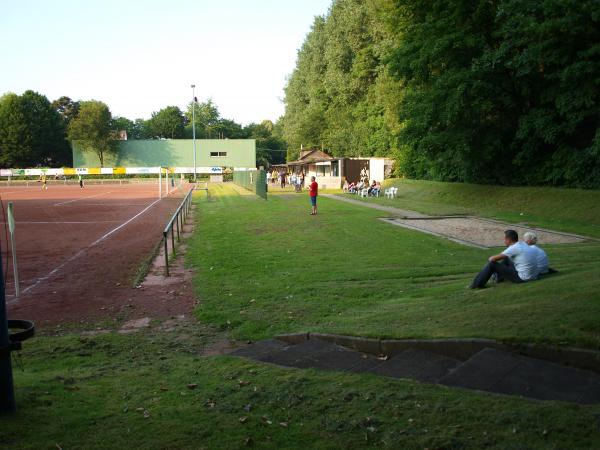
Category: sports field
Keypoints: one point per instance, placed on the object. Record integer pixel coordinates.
(261, 268)
(79, 249)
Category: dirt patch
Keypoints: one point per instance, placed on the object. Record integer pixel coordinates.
(477, 232)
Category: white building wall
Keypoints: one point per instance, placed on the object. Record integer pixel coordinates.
(376, 169)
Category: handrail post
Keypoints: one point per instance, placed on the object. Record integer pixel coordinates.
(177, 219)
(165, 238)
(173, 239)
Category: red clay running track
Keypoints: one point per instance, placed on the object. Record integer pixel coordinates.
(79, 250)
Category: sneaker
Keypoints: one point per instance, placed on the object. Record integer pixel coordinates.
(494, 278)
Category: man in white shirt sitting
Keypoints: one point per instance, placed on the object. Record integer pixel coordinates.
(518, 263)
(530, 239)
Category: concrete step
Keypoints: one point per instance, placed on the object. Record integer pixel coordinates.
(417, 364)
(313, 353)
(507, 373)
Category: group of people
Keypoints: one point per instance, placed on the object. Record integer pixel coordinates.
(520, 262)
(44, 180)
(373, 189)
(294, 179)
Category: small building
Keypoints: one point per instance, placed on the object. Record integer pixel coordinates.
(175, 153)
(331, 172)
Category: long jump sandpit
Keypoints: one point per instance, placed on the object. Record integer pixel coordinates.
(465, 230)
(478, 232)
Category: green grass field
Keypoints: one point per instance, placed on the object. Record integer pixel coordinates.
(264, 268)
(346, 272)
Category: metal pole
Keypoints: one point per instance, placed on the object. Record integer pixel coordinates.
(194, 126)
(7, 391)
(159, 183)
(11, 228)
(173, 239)
(167, 181)
(166, 239)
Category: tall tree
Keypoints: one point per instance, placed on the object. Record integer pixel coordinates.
(270, 146)
(337, 97)
(67, 108)
(207, 119)
(92, 129)
(31, 132)
(168, 123)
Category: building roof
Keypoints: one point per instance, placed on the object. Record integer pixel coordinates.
(313, 155)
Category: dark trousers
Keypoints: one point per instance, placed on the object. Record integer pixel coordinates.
(505, 270)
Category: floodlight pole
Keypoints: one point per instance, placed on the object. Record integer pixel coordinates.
(194, 127)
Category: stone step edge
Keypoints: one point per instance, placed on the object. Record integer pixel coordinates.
(461, 349)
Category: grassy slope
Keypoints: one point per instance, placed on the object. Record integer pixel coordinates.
(344, 272)
(268, 268)
(95, 392)
(569, 210)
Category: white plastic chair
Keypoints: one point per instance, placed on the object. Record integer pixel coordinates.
(391, 192)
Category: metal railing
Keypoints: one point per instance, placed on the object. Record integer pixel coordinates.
(176, 225)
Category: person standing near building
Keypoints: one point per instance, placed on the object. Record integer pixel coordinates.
(313, 191)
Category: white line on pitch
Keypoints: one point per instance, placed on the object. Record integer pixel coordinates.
(83, 250)
(82, 198)
(97, 241)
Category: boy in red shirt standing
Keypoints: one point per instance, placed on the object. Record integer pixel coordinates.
(313, 190)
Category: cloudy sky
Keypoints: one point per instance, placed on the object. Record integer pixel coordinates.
(140, 56)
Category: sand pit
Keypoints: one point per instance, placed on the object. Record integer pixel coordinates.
(476, 232)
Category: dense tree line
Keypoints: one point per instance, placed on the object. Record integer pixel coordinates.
(32, 131)
(500, 91)
(36, 132)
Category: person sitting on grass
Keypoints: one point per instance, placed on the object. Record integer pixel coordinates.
(530, 239)
(518, 263)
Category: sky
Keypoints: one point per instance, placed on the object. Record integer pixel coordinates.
(141, 56)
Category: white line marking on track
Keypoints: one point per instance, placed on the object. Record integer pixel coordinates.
(83, 250)
(82, 198)
(97, 241)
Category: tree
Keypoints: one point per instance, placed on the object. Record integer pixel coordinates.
(207, 118)
(123, 124)
(168, 123)
(92, 129)
(67, 108)
(270, 146)
(31, 132)
(140, 130)
(500, 91)
(334, 96)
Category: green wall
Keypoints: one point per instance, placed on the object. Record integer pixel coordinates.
(172, 153)
(253, 180)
